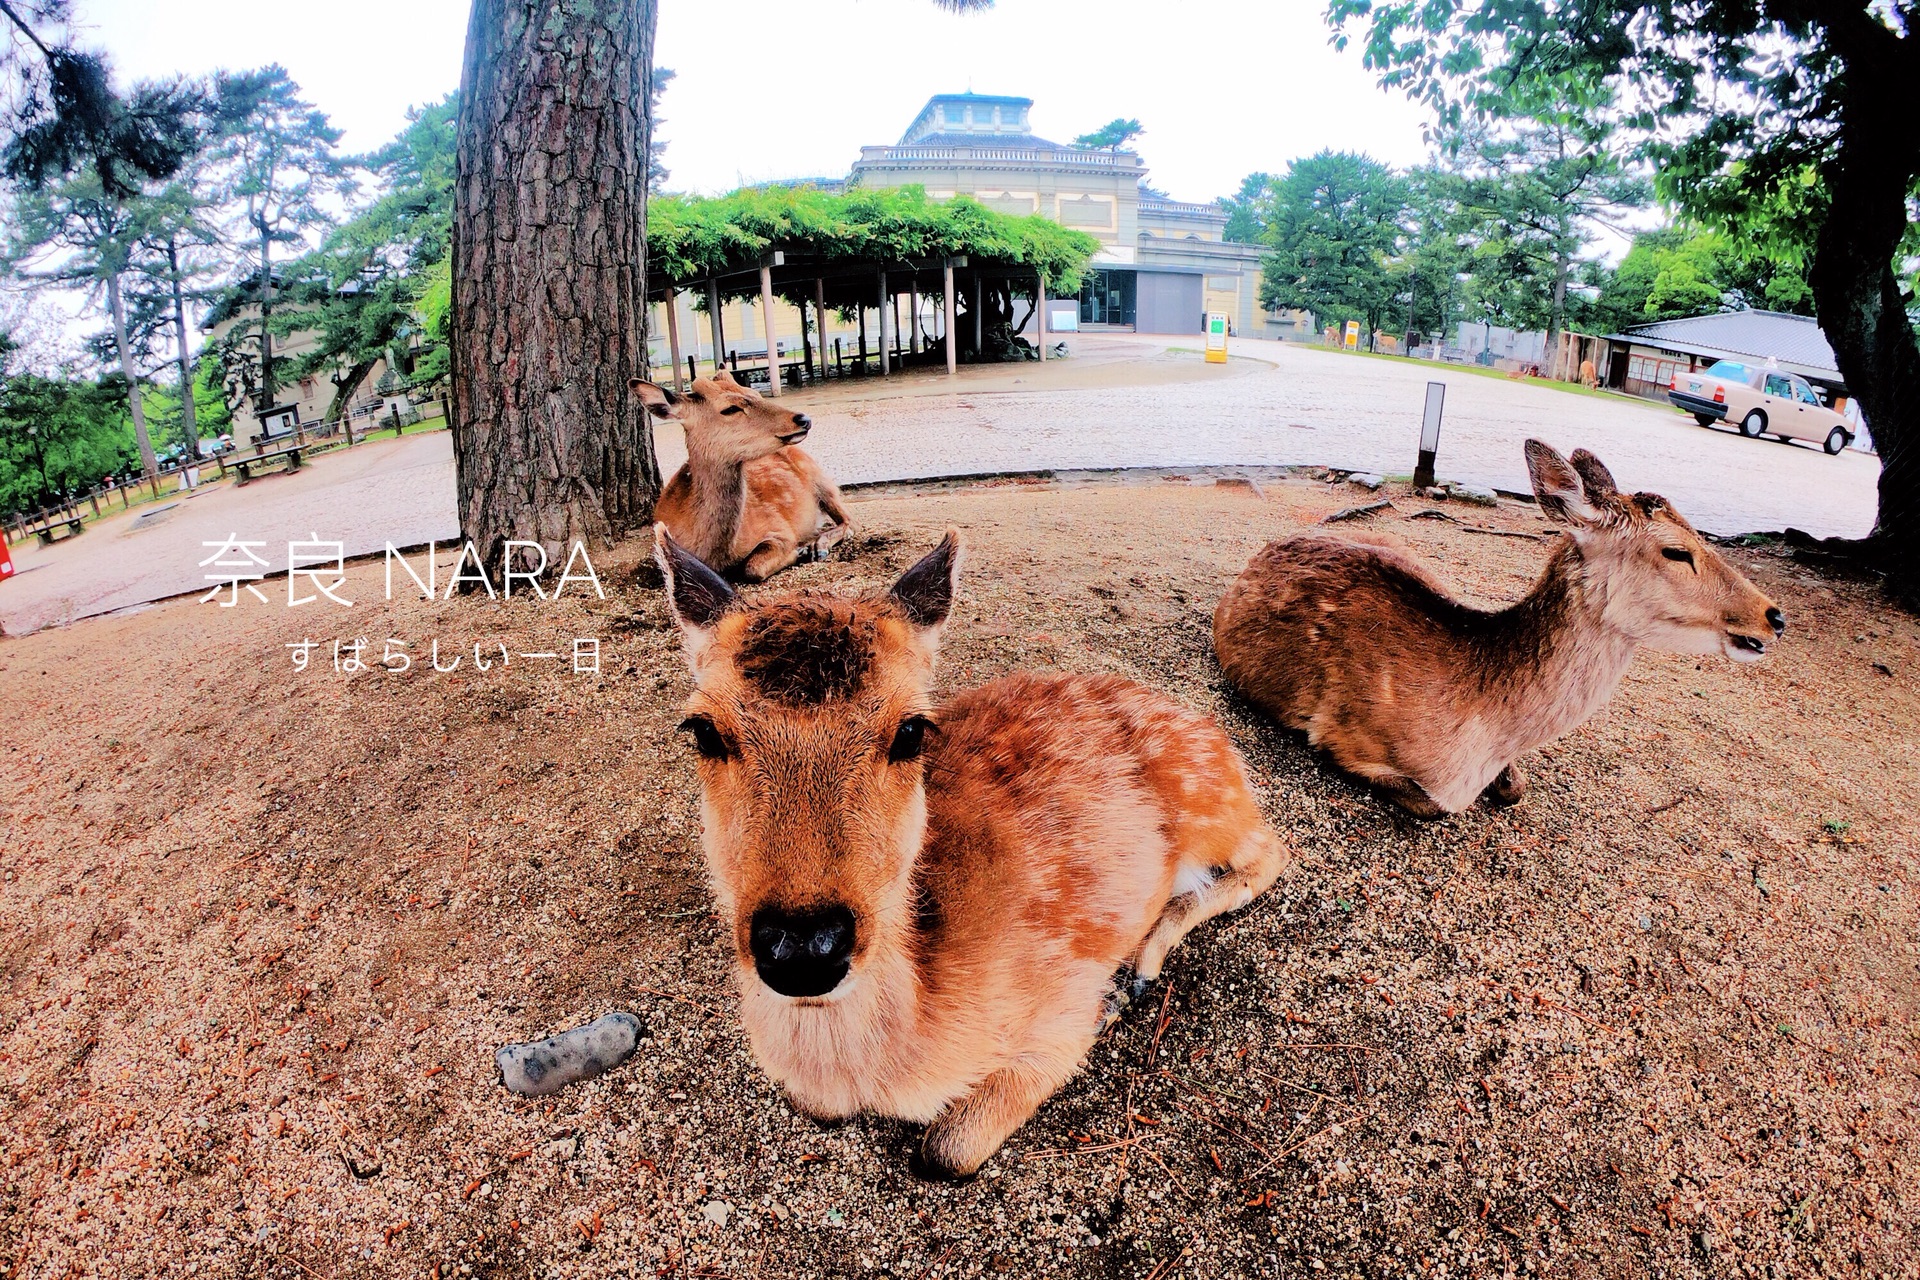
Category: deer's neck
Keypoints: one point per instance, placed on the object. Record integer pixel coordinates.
(1553, 659)
(719, 501)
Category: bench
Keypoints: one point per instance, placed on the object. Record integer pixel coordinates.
(245, 465)
(53, 528)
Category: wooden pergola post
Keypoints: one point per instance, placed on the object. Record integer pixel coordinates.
(713, 320)
(820, 320)
(773, 342)
(913, 314)
(953, 350)
(1040, 309)
(886, 355)
(673, 333)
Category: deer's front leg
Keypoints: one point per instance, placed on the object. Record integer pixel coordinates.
(1508, 787)
(972, 1129)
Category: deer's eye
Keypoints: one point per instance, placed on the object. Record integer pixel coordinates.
(910, 739)
(1678, 554)
(732, 408)
(706, 738)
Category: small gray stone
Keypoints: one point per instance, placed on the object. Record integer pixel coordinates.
(1367, 480)
(1479, 495)
(717, 1212)
(548, 1066)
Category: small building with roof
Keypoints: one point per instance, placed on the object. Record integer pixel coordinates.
(1644, 359)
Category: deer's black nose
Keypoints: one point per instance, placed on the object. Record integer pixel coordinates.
(801, 953)
(1777, 620)
(803, 422)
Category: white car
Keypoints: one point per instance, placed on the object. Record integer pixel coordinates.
(1760, 401)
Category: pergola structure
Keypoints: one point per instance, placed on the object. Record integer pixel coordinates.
(853, 253)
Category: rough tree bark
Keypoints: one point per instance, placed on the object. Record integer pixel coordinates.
(1856, 295)
(549, 238)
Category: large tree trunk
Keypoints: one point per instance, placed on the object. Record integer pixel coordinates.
(549, 237)
(189, 429)
(118, 307)
(1857, 299)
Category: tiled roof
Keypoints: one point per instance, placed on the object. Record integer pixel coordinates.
(1776, 335)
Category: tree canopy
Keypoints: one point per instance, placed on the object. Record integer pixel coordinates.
(690, 238)
(1332, 226)
(1111, 136)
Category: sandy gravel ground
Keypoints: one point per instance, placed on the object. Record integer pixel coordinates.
(260, 933)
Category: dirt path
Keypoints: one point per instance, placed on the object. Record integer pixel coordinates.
(261, 932)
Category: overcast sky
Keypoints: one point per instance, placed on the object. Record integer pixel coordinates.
(780, 90)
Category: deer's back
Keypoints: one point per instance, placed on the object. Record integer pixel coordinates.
(782, 498)
(1326, 632)
(1048, 800)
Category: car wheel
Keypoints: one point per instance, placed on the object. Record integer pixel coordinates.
(1705, 419)
(1836, 440)
(1753, 424)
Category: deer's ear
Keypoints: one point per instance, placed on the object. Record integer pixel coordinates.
(1558, 486)
(925, 592)
(697, 597)
(1594, 477)
(725, 378)
(656, 399)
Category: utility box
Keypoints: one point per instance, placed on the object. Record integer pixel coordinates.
(1216, 337)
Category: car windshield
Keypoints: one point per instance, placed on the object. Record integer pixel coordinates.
(1729, 369)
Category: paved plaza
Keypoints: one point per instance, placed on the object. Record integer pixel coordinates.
(1121, 402)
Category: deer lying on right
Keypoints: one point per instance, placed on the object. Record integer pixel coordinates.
(1347, 637)
(929, 902)
(749, 501)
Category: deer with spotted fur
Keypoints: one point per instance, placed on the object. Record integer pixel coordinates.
(932, 904)
(749, 501)
(1350, 639)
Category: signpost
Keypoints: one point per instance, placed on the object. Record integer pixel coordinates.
(1429, 435)
(1353, 334)
(1216, 337)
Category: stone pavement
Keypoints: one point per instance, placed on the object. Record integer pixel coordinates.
(1122, 401)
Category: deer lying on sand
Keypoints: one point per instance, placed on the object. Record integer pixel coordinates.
(749, 502)
(1349, 638)
(930, 903)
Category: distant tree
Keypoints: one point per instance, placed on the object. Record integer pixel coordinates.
(1332, 229)
(359, 292)
(1538, 187)
(176, 255)
(276, 154)
(58, 436)
(657, 171)
(1787, 123)
(1431, 279)
(1246, 217)
(77, 234)
(1111, 136)
(1681, 271)
(63, 115)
